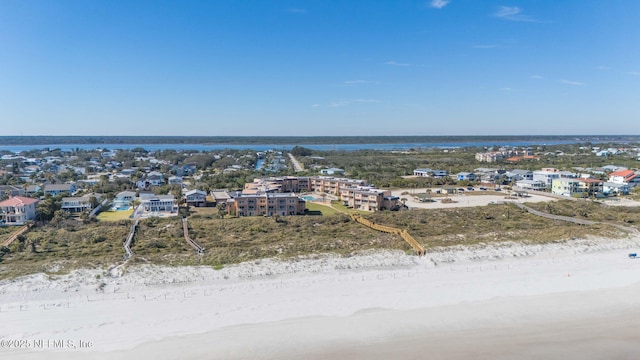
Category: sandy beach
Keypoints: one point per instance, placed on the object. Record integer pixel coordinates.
(577, 299)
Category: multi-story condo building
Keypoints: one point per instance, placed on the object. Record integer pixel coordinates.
(266, 204)
(368, 198)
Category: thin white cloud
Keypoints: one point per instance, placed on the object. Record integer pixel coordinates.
(570, 82)
(603, 68)
(315, 105)
(394, 63)
(537, 77)
(636, 73)
(439, 4)
(512, 13)
(485, 46)
(297, 11)
(508, 89)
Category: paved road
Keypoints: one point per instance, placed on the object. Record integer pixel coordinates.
(296, 165)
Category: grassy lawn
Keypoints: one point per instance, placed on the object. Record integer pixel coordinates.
(338, 205)
(114, 215)
(324, 210)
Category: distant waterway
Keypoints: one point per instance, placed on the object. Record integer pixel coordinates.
(265, 147)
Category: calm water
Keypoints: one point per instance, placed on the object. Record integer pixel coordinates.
(265, 147)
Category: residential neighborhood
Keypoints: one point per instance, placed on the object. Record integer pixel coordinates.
(160, 183)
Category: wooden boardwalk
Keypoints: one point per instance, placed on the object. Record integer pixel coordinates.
(199, 249)
(127, 242)
(419, 249)
(15, 235)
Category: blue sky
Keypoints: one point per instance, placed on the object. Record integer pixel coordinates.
(360, 67)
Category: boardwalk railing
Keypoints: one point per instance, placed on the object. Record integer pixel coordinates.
(127, 243)
(199, 249)
(15, 235)
(419, 249)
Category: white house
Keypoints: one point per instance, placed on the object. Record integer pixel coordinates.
(531, 185)
(332, 171)
(124, 199)
(158, 203)
(628, 177)
(546, 177)
(426, 172)
(17, 210)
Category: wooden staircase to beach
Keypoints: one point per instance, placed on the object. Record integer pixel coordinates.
(15, 235)
(199, 249)
(127, 242)
(419, 249)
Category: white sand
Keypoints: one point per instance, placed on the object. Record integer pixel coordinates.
(566, 300)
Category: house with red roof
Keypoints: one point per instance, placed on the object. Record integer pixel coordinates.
(17, 210)
(628, 177)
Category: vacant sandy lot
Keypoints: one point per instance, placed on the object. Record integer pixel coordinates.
(478, 198)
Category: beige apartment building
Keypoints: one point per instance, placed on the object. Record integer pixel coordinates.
(266, 204)
(326, 184)
(277, 195)
(369, 199)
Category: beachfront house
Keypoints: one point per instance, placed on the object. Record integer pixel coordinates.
(197, 198)
(124, 199)
(628, 177)
(17, 210)
(79, 204)
(158, 203)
